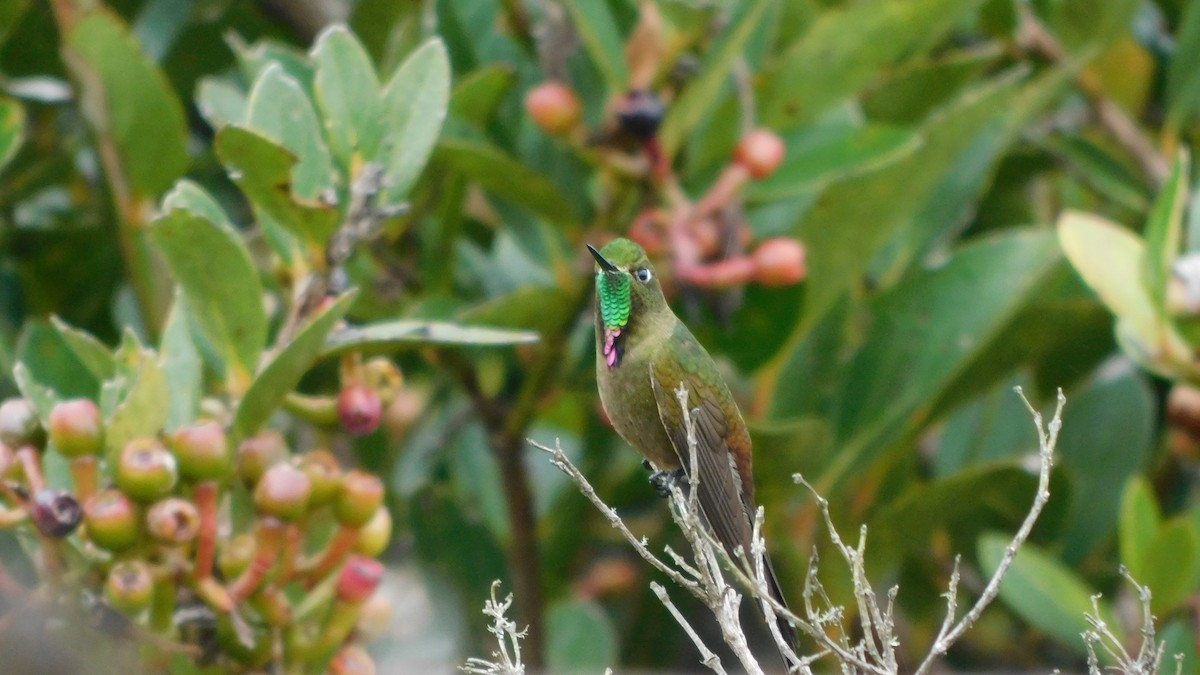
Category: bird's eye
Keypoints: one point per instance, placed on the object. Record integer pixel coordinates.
(643, 275)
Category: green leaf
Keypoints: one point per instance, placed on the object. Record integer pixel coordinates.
(220, 103)
(12, 128)
(1183, 72)
(281, 110)
(1172, 570)
(1111, 261)
(1099, 457)
(262, 169)
(52, 361)
(1179, 638)
(347, 91)
(128, 100)
(1164, 234)
(967, 500)
(506, 177)
(579, 636)
(834, 156)
(97, 358)
(189, 196)
(284, 371)
(224, 294)
(402, 333)
(144, 408)
(256, 58)
(1137, 525)
(180, 361)
(42, 397)
(596, 26)
(697, 97)
(915, 90)
(1044, 592)
(903, 363)
(414, 104)
(1102, 171)
(479, 93)
(846, 49)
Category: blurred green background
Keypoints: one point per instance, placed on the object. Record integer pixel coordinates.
(932, 148)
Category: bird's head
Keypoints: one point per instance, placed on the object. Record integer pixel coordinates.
(627, 292)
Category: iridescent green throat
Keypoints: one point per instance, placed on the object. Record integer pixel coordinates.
(615, 303)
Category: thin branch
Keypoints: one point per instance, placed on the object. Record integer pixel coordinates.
(1047, 440)
(708, 658)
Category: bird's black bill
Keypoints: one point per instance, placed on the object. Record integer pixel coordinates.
(604, 264)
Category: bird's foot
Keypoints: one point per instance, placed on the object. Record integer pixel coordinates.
(663, 481)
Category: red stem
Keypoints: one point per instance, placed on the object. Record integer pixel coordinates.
(31, 464)
(205, 495)
(339, 547)
(269, 541)
(84, 474)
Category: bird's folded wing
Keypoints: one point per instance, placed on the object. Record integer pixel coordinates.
(720, 487)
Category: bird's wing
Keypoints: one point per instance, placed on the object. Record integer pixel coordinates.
(720, 485)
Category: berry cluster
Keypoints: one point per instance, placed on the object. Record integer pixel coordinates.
(146, 535)
(706, 238)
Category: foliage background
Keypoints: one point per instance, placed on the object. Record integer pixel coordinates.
(932, 145)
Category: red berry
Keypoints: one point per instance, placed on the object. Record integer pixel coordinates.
(779, 262)
(283, 492)
(111, 520)
(173, 521)
(761, 151)
(361, 495)
(359, 409)
(258, 452)
(130, 586)
(19, 424)
(76, 429)
(554, 107)
(146, 470)
(55, 512)
(202, 450)
(359, 578)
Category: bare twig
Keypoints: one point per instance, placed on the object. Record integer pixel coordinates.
(709, 659)
(508, 640)
(1149, 657)
(1047, 439)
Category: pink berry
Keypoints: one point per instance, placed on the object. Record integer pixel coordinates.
(359, 578)
(359, 409)
(760, 152)
(76, 428)
(554, 107)
(779, 261)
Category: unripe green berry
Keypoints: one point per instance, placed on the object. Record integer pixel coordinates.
(173, 521)
(19, 424)
(130, 586)
(76, 428)
(283, 492)
(112, 520)
(382, 376)
(257, 453)
(56, 513)
(146, 470)
(359, 578)
(235, 555)
(202, 450)
(357, 501)
(373, 537)
(324, 473)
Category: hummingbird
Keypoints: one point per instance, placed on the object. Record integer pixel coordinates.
(643, 354)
